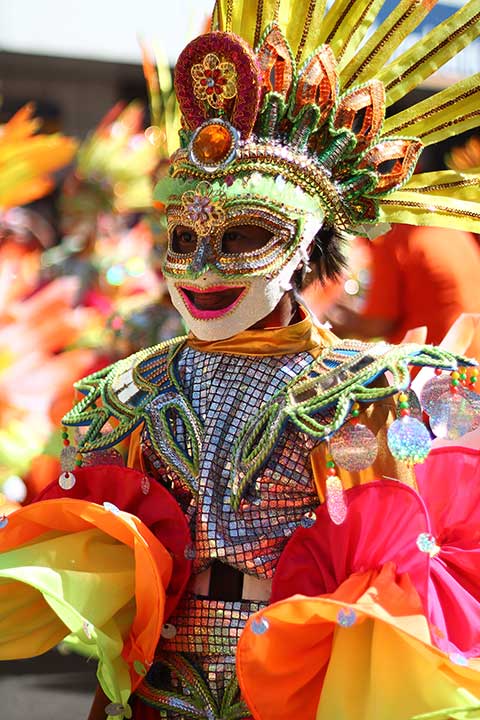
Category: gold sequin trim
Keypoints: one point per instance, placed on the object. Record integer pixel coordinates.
(446, 41)
(229, 19)
(276, 10)
(381, 44)
(433, 111)
(441, 186)
(258, 24)
(306, 29)
(451, 123)
(340, 22)
(432, 204)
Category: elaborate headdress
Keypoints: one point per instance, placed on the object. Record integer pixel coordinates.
(283, 107)
(284, 89)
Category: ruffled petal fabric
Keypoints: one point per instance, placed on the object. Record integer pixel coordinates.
(450, 486)
(133, 492)
(72, 566)
(381, 629)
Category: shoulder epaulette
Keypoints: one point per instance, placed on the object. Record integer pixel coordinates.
(115, 397)
(319, 400)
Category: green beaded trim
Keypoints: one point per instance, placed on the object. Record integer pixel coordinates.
(332, 383)
(106, 387)
(197, 701)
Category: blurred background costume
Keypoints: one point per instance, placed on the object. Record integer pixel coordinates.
(418, 276)
(266, 525)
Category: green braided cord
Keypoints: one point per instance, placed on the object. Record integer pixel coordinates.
(451, 714)
(190, 677)
(184, 465)
(200, 703)
(261, 434)
(100, 386)
(228, 707)
(168, 700)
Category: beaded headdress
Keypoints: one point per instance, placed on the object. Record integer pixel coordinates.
(287, 100)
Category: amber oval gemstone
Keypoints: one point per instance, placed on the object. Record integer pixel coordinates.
(213, 144)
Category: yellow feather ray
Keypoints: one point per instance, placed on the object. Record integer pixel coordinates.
(346, 24)
(300, 21)
(384, 41)
(431, 52)
(415, 208)
(310, 25)
(462, 186)
(449, 112)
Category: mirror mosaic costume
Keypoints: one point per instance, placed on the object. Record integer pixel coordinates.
(272, 531)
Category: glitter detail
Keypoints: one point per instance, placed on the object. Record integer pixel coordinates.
(354, 447)
(346, 617)
(110, 507)
(168, 631)
(67, 480)
(272, 508)
(145, 485)
(67, 458)
(308, 520)
(88, 629)
(427, 544)
(259, 626)
(190, 552)
(114, 709)
(458, 659)
(408, 440)
(336, 501)
(432, 390)
(209, 627)
(451, 416)
(203, 208)
(109, 456)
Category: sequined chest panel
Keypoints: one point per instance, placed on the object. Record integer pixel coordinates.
(196, 430)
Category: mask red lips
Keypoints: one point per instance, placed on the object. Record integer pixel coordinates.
(210, 302)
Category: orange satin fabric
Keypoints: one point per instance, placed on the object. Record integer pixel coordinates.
(384, 667)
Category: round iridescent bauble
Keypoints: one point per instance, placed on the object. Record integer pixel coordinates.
(452, 416)
(354, 447)
(259, 626)
(408, 440)
(67, 480)
(346, 618)
(432, 390)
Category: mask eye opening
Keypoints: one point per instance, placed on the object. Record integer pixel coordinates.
(183, 240)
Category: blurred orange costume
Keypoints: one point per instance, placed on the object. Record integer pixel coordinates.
(424, 276)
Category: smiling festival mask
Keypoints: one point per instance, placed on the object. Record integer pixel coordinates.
(286, 137)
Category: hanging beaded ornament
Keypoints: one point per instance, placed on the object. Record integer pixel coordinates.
(407, 437)
(335, 495)
(451, 414)
(354, 447)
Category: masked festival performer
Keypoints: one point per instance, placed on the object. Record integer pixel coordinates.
(270, 550)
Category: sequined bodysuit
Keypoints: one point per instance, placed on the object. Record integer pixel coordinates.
(224, 391)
